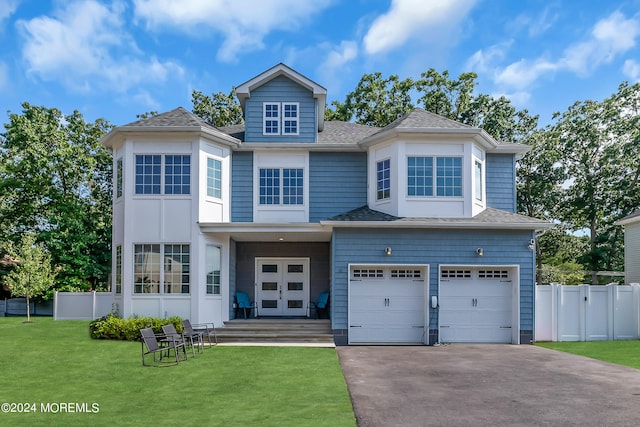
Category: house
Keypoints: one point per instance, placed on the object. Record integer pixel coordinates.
(631, 225)
(411, 227)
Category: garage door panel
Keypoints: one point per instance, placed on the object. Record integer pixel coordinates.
(388, 306)
(476, 305)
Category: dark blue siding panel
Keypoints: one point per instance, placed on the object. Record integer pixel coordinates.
(232, 275)
(281, 89)
(242, 187)
(338, 183)
(501, 182)
(434, 248)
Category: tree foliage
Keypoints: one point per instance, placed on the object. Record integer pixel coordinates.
(217, 109)
(55, 182)
(33, 274)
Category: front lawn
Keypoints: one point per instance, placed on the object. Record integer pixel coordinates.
(625, 353)
(56, 366)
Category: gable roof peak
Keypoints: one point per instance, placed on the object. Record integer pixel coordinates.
(177, 117)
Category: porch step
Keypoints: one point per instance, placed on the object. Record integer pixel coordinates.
(285, 331)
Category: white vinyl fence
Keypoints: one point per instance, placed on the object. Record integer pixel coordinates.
(587, 313)
(81, 305)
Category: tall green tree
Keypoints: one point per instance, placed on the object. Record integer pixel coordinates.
(217, 109)
(56, 183)
(33, 274)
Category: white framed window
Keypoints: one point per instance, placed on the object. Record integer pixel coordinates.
(214, 178)
(383, 179)
(212, 269)
(477, 187)
(434, 176)
(150, 178)
(155, 263)
(281, 186)
(119, 178)
(281, 118)
(119, 269)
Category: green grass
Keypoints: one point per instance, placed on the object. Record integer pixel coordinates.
(625, 353)
(53, 362)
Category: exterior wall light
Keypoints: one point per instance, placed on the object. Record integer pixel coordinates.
(479, 252)
(532, 244)
(387, 250)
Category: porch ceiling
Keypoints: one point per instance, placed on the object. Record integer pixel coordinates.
(288, 232)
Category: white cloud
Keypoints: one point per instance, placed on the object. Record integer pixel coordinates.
(337, 58)
(535, 25)
(610, 37)
(631, 69)
(7, 7)
(523, 73)
(85, 45)
(242, 23)
(482, 61)
(415, 19)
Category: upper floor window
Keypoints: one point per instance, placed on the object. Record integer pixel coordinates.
(280, 118)
(383, 178)
(214, 178)
(177, 174)
(119, 180)
(149, 177)
(477, 170)
(447, 176)
(281, 186)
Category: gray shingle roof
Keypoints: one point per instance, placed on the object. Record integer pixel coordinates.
(632, 215)
(419, 118)
(489, 217)
(178, 117)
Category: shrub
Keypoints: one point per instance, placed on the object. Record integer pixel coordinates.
(112, 327)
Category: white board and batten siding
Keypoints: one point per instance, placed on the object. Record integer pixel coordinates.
(387, 304)
(478, 304)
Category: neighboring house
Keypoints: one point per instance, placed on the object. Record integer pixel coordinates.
(631, 225)
(412, 227)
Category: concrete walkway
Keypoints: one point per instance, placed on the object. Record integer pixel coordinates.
(487, 385)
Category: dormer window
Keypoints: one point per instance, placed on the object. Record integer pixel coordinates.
(447, 176)
(383, 178)
(280, 118)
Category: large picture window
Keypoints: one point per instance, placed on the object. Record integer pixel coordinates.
(425, 180)
(383, 179)
(154, 264)
(176, 177)
(281, 186)
(280, 118)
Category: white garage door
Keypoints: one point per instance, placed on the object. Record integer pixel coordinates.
(476, 305)
(386, 305)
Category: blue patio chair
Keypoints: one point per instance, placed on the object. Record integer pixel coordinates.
(243, 303)
(321, 306)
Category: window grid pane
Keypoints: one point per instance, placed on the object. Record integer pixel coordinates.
(292, 186)
(176, 269)
(119, 180)
(478, 180)
(384, 179)
(148, 169)
(271, 118)
(269, 186)
(177, 174)
(449, 176)
(212, 265)
(420, 176)
(214, 178)
(118, 269)
(290, 120)
(146, 269)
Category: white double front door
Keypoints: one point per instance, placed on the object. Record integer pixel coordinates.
(282, 286)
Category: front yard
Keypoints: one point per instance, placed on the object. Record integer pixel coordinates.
(52, 369)
(625, 353)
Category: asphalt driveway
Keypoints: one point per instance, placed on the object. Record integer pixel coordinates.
(487, 385)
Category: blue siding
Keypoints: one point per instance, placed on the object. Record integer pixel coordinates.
(281, 89)
(501, 182)
(242, 187)
(337, 183)
(432, 247)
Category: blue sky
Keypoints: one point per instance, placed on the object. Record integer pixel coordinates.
(116, 59)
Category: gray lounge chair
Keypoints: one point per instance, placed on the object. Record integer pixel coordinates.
(150, 341)
(199, 332)
(170, 331)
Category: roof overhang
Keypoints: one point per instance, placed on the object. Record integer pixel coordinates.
(243, 92)
(121, 133)
(440, 224)
(631, 219)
